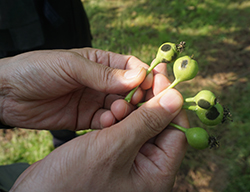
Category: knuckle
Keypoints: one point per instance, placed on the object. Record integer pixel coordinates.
(66, 55)
(106, 75)
(152, 121)
(67, 58)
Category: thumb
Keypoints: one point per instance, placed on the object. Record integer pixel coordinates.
(150, 119)
(110, 80)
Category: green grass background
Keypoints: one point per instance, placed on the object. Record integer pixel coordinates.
(217, 33)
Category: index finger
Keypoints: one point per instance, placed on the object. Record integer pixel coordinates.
(110, 59)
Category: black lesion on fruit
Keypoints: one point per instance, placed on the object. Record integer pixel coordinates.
(174, 56)
(184, 63)
(166, 47)
(165, 61)
(172, 59)
(212, 114)
(204, 104)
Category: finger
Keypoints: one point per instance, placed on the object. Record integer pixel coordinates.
(102, 118)
(114, 60)
(137, 96)
(121, 108)
(101, 70)
(173, 142)
(147, 83)
(161, 68)
(150, 119)
(107, 79)
(161, 82)
(107, 119)
(110, 98)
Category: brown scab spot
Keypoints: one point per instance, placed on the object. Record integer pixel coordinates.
(212, 114)
(184, 63)
(166, 47)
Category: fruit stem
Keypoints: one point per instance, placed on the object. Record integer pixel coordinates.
(140, 104)
(188, 100)
(153, 65)
(130, 94)
(175, 82)
(190, 107)
(178, 127)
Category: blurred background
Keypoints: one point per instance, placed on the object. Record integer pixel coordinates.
(217, 33)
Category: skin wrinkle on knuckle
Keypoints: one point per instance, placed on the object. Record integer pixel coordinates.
(66, 62)
(152, 121)
(94, 57)
(102, 57)
(107, 76)
(109, 59)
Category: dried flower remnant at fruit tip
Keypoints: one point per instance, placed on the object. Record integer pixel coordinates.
(226, 115)
(181, 46)
(213, 142)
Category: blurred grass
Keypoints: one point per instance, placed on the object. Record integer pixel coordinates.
(19, 145)
(217, 33)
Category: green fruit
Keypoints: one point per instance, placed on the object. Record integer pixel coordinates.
(185, 69)
(167, 53)
(204, 99)
(212, 116)
(197, 137)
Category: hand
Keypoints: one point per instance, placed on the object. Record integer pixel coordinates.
(136, 154)
(67, 89)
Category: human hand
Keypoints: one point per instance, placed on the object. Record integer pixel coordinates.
(136, 154)
(71, 89)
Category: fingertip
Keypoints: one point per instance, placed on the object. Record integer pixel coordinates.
(160, 83)
(148, 82)
(171, 101)
(107, 119)
(121, 108)
(137, 96)
(132, 78)
(134, 73)
(161, 68)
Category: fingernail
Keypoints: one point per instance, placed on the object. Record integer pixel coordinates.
(132, 73)
(171, 101)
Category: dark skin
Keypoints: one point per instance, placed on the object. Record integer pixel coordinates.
(84, 88)
(55, 94)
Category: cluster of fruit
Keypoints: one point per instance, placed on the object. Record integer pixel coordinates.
(204, 103)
